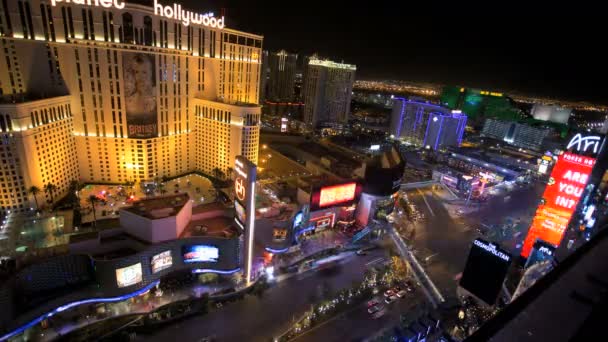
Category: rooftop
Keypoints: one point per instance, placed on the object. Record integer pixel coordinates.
(330, 64)
(159, 207)
(214, 227)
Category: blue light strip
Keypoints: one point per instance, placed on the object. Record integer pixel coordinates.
(276, 251)
(400, 115)
(77, 303)
(303, 231)
(207, 270)
(428, 124)
(439, 134)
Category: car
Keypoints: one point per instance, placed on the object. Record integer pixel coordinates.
(390, 299)
(374, 309)
(372, 303)
(401, 293)
(361, 252)
(389, 293)
(379, 314)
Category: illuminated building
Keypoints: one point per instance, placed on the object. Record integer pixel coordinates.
(551, 113)
(282, 75)
(426, 124)
(111, 94)
(327, 92)
(263, 77)
(480, 104)
(515, 134)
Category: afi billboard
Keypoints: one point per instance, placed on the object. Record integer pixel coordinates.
(564, 189)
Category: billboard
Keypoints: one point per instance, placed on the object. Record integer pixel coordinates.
(337, 194)
(564, 189)
(200, 253)
(139, 74)
(241, 215)
(485, 270)
(244, 192)
(343, 194)
(129, 275)
(541, 251)
(161, 261)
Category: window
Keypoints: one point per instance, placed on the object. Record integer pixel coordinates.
(147, 31)
(127, 28)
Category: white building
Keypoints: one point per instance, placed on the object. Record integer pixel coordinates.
(515, 134)
(110, 94)
(327, 92)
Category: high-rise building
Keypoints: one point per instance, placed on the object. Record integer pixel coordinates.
(120, 93)
(281, 76)
(327, 92)
(426, 124)
(515, 134)
(263, 77)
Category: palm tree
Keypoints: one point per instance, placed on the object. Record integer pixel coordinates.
(50, 189)
(161, 188)
(92, 200)
(216, 172)
(229, 171)
(73, 193)
(34, 190)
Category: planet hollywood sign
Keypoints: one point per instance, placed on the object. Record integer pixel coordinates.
(174, 12)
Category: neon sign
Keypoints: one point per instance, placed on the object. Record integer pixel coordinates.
(103, 3)
(174, 12)
(186, 17)
(582, 144)
(337, 194)
(562, 194)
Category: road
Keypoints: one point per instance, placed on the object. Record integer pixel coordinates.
(357, 324)
(450, 237)
(260, 319)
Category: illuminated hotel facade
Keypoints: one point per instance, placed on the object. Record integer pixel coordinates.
(96, 92)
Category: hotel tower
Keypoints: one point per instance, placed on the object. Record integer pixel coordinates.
(109, 91)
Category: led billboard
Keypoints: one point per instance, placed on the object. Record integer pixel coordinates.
(200, 253)
(564, 189)
(161, 261)
(485, 270)
(129, 275)
(337, 194)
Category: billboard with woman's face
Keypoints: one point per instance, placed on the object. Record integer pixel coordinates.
(139, 73)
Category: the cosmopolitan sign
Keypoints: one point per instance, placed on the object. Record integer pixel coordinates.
(174, 12)
(492, 249)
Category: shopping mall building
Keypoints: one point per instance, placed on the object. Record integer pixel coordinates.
(106, 91)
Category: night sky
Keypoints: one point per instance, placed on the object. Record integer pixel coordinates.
(547, 50)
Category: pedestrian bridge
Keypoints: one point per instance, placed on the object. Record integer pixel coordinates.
(416, 185)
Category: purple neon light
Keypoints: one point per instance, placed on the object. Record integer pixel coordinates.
(439, 134)
(208, 270)
(276, 251)
(73, 304)
(400, 115)
(428, 124)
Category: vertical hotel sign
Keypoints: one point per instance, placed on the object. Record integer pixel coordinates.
(562, 194)
(244, 203)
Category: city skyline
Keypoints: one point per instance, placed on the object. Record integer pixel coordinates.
(513, 48)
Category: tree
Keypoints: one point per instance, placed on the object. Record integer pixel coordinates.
(229, 171)
(34, 190)
(92, 200)
(161, 188)
(73, 189)
(216, 172)
(399, 268)
(50, 189)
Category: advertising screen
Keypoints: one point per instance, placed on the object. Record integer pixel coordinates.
(541, 251)
(139, 73)
(337, 194)
(161, 261)
(564, 189)
(200, 253)
(485, 270)
(241, 215)
(129, 275)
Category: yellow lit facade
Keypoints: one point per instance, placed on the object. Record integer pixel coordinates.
(135, 96)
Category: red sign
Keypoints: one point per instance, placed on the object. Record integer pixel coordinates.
(337, 194)
(566, 184)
